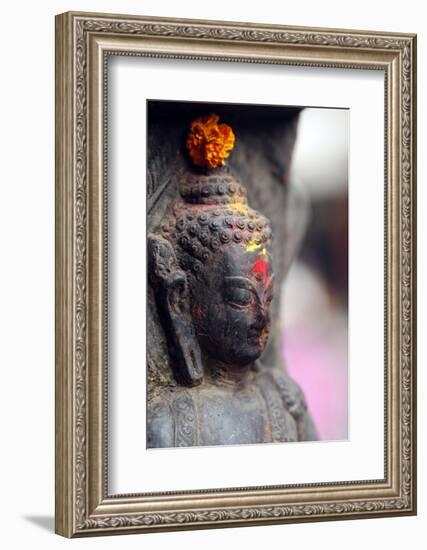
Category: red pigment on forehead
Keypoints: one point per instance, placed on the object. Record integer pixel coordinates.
(260, 266)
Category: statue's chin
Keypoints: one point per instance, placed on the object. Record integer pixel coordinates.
(247, 356)
(236, 356)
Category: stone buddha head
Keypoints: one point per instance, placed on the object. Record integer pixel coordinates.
(211, 265)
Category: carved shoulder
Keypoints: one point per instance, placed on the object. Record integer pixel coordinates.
(296, 404)
(306, 428)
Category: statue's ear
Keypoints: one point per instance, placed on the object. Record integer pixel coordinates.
(171, 288)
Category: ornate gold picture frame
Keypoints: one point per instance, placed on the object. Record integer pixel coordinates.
(84, 42)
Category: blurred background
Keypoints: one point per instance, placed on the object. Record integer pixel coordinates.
(314, 307)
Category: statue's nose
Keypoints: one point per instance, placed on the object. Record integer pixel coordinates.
(262, 315)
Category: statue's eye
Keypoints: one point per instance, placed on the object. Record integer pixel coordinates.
(238, 297)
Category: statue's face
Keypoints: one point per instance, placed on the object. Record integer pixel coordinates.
(230, 307)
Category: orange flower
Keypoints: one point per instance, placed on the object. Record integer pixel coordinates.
(209, 143)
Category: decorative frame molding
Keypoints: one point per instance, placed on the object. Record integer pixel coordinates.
(83, 42)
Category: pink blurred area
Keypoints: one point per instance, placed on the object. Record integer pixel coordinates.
(315, 349)
(314, 304)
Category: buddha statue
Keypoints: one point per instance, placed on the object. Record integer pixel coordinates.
(211, 268)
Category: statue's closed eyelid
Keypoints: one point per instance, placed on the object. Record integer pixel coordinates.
(242, 283)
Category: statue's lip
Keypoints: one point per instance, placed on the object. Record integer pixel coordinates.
(254, 334)
(257, 336)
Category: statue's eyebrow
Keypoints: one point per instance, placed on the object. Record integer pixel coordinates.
(240, 282)
(244, 282)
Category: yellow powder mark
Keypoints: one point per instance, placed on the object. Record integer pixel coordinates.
(252, 246)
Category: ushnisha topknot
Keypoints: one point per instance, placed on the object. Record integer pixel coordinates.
(211, 189)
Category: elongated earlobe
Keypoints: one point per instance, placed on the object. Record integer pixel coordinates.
(170, 284)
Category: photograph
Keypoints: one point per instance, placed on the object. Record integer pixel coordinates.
(213, 255)
(235, 274)
(247, 244)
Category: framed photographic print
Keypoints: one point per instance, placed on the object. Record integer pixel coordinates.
(235, 274)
